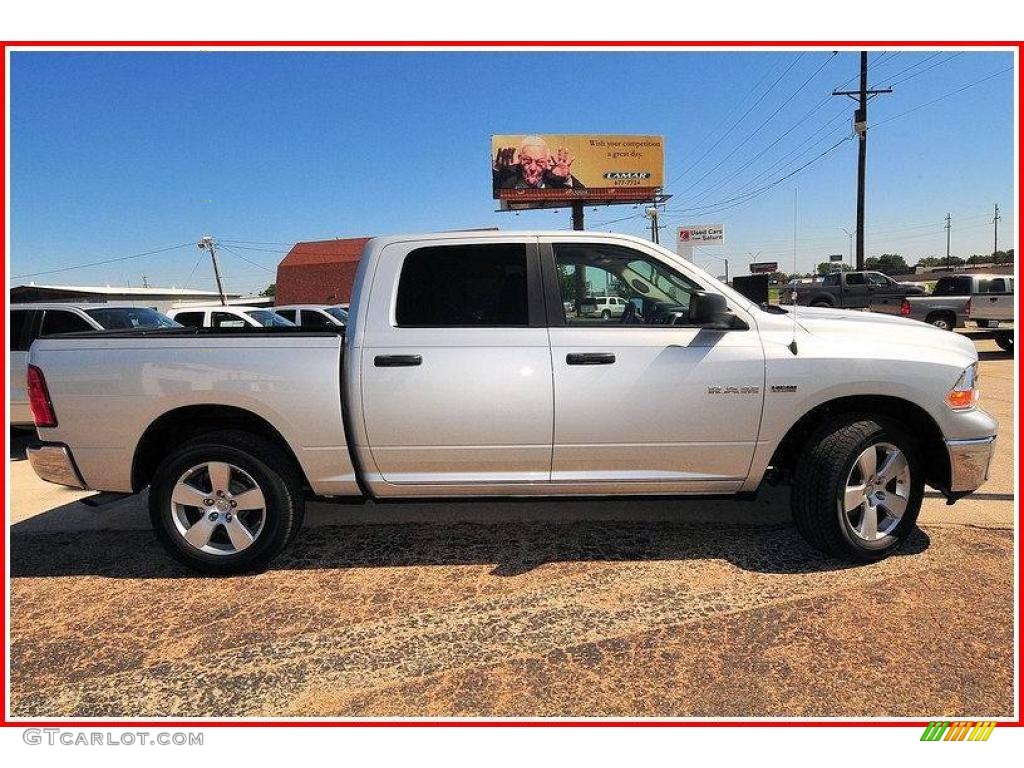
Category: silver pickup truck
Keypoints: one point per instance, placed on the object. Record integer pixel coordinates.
(461, 373)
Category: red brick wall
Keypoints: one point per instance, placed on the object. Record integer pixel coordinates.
(315, 283)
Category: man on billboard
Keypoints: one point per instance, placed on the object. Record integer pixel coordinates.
(534, 166)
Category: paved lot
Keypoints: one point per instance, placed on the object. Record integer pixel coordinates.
(559, 608)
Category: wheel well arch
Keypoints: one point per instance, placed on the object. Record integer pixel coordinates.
(180, 424)
(947, 313)
(911, 416)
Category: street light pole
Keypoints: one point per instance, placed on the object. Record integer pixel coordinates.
(850, 234)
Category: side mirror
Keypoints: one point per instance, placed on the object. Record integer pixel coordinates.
(709, 309)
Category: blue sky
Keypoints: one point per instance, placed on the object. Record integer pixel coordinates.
(114, 154)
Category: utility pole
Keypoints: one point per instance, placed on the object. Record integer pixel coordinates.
(577, 215)
(860, 127)
(206, 243)
(145, 282)
(652, 214)
(948, 227)
(995, 232)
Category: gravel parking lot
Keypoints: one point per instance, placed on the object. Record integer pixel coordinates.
(653, 608)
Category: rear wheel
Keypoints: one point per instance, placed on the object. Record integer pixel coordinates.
(225, 502)
(1005, 341)
(606, 315)
(820, 303)
(941, 320)
(858, 488)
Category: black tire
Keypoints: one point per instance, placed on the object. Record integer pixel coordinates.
(820, 303)
(942, 320)
(1005, 342)
(265, 464)
(606, 315)
(820, 482)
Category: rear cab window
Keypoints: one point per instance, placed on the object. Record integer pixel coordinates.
(62, 321)
(456, 286)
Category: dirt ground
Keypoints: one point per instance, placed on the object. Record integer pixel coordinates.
(623, 608)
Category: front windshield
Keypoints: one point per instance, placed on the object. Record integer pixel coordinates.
(117, 318)
(266, 318)
(338, 314)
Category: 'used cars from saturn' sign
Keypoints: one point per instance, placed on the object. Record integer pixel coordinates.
(702, 234)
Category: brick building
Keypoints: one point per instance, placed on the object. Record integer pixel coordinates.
(319, 272)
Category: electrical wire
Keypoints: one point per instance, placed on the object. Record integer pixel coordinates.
(926, 69)
(231, 250)
(100, 263)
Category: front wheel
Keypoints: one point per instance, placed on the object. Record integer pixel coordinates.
(1005, 342)
(225, 502)
(858, 488)
(820, 303)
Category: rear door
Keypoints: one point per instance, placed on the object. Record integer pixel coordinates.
(644, 399)
(855, 290)
(455, 366)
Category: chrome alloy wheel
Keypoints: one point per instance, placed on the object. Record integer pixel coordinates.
(877, 491)
(218, 508)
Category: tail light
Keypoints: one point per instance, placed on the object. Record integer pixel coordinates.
(39, 399)
(967, 307)
(905, 308)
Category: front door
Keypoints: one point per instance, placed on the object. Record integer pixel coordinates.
(455, 367)
(644, 397)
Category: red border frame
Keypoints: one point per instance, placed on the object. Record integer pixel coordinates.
(424, 723)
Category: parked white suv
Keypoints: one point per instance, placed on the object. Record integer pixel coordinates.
(313, 315)
(227, 317)
(32, 321)
(605, 307)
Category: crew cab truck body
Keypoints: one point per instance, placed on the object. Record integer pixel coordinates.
(854, 290)
(461, 373)
(946, 306)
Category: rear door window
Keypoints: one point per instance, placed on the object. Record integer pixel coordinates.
(856, 278)
(62, 321)
(226, 320)
(189, 319)
(464, 286)
(19, 335)
(287, 314)
(313, 319)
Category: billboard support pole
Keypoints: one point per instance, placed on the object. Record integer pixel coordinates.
(577, 216)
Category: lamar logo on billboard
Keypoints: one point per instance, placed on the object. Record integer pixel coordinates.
(626, 175)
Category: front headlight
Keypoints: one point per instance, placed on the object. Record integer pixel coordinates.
(965, 393)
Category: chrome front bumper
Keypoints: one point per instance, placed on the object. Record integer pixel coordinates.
(53, 463)
(968, 463)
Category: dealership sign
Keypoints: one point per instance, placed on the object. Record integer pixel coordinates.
(835, 257)
(701, 234)
(764, 267)
(552, 170)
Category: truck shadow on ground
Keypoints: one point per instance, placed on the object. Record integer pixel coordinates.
(508, 535)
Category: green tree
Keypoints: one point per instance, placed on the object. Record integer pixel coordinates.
(828, 267)
(888, 263)
(270, 290)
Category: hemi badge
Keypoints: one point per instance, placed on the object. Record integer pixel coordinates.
(783, 387)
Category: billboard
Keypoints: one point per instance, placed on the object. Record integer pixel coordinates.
(834, 257)
(552, 170)
(764, 267)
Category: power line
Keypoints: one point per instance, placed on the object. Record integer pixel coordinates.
(722, 205)
(100, 263)
(916, 64)
(229, 249)
(943, 96)
(926, 69)
(767, 120)
(739, 120)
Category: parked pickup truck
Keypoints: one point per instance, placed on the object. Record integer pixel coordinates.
(994, 310)
(852, 290)
(946, 306)
(460, 373)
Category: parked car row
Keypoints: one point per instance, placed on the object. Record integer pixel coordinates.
(33, 321)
